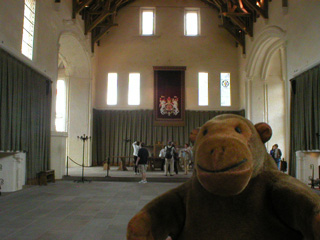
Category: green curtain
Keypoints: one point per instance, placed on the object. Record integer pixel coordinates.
(114, 131)
(25, 102)
(305, 114)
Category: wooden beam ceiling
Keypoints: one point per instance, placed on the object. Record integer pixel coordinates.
(77, 7)
(237, 16)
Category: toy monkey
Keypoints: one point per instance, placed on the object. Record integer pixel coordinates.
(236, 193)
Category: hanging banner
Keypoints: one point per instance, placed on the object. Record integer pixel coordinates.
(169, 92)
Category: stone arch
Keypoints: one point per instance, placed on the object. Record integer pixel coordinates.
(277, 46)
(268, 42)
(265, 83)
(75, 54)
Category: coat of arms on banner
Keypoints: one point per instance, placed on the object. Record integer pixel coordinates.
(169, 106)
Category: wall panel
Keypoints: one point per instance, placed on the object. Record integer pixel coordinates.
(114, 131)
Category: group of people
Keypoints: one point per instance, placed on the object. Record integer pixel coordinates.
(171, 156)
(169, 153)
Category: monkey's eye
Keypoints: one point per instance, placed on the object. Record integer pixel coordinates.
(205, 132)
(238, 130)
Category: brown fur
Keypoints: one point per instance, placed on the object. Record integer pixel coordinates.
(236, 193)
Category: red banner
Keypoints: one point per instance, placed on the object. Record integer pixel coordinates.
(169, 95)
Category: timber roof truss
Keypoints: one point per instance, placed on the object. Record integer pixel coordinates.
(237, 16)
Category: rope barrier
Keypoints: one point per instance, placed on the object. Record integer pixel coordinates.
(76, 162)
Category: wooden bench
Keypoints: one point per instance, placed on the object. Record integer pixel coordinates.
(155, 162)
(46, 176)
(122, 163)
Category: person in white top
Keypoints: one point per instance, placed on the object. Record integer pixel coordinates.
(136, 146)
(186, 157)
(162, 155)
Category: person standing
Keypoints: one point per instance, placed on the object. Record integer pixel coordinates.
(272, 152)
(176, 159)
(162, 155)
(136, 147)
(276, 153)
(186, 157)
(142, 160)
(169, 160)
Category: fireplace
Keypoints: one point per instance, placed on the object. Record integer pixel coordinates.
(307, 164)
(12, 170)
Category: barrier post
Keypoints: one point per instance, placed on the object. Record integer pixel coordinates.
(67, 165)
(108, 167)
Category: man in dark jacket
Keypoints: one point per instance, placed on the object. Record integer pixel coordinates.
(276, 154)
(142, 160)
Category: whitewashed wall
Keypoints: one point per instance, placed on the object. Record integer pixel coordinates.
(123, 51)
(53, 20)
(294, 31)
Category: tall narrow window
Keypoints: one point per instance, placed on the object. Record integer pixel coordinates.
(203, 89)
(112, 93)
(147, 21)
(61, 106)
(225, 89)
(134, 89)
(192, 22)
(28, 28)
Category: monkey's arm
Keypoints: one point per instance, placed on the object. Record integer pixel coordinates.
(163, 216)
(297, 205)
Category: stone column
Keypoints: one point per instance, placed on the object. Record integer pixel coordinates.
(79, 119)
(58, 153)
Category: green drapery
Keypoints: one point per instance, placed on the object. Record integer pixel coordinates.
(305, 114)
(25, 102)
(114, 131)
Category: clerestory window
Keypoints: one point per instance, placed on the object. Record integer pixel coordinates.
(225, 89)
(192, 22)
(28, 28)
(147, 21)
(112, 91)
(134, 89)
(203, 99)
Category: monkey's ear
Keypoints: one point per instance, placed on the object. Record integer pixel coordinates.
(193, 135)
(264, 131)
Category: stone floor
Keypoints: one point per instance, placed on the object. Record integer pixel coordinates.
(98, 174)
(90, 210)
(68, 210)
